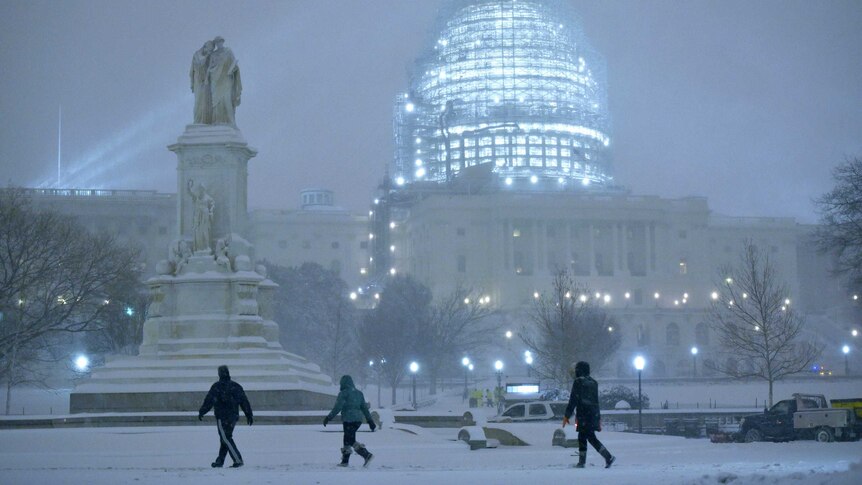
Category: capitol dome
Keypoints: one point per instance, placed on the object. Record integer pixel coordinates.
(512, 86)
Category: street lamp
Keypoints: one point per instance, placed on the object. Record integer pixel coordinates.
(640, 362)
(82, 363)
(498, 366)
(466, 363)
(414, 368)
(694, 361)
(846, 350)
(528, 358)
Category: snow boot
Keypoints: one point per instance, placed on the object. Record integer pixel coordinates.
(345, 456)
(609, 459)
(582, 458)
(362, 451)
(217, 464)
(237, 464)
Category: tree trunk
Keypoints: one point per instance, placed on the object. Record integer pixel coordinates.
(8, 394)
(770, 392)
(432, 385)
(393, 394)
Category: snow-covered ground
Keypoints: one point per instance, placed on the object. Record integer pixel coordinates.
(404, 455)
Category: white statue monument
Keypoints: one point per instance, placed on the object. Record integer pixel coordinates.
(210, 304)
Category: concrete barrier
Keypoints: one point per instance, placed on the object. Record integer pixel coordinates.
(473, 436)
(561, 438)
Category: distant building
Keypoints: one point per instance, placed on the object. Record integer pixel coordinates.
(502, 174)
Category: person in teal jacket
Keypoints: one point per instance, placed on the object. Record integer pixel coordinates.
(352, 406)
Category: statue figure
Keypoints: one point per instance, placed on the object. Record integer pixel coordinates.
(203, 216)
(222, 252)
(200, 84)
(181, 251)
(225, 84)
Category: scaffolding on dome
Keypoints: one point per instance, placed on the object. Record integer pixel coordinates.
(513, 85)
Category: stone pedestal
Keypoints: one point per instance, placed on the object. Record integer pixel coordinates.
(208, 309)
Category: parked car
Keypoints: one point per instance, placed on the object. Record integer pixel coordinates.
(531, 411)
(806, 416)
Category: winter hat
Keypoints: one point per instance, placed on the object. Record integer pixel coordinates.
(346, 383)
(582, 369)
(223, 373)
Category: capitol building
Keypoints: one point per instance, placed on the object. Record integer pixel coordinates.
(503, 174)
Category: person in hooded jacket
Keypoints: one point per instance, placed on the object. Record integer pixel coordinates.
(352, 406)
(588, 418)
(225, 397)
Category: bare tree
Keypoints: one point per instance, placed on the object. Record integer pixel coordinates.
(454, 327)
(840, 229)
(54, 279)
(121, 329)
(568, 325)
(755, 322)
(391, 331)
(315, 315)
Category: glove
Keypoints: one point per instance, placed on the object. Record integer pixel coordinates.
(200, 417)
(565, 421)
(372, 426)
(325, 421)
(249, 420)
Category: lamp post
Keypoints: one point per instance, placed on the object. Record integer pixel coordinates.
(694, 361)
(465, 362)
(498, 366)
(640, 362)
(414, 368)
(528, 358)
(846, 350)
(508, 339)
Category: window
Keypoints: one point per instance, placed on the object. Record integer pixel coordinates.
(515, 412)
(460, 231)
(462, 263)
(538, 410)
(335, 245)
(672, 334)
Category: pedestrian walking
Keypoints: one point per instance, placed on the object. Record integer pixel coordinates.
(224, 398)
(352, 406)
(588, 418)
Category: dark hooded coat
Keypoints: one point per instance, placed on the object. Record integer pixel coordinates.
(350, 403)
(585, 398)
(225, 398)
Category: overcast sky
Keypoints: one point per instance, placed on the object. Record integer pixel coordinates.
(748, 103)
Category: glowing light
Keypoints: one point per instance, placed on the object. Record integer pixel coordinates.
(528, 357)
(598, 295)
(353, 295)
(744, 296)
(583, 298)
(392, 271)
(414, 367)
(82, 363)
(694, 351)
(561, 180)
(418, 162)
(536, 295)
(585, 181)
(508, 180)
(391, 225)
(377, 296)
(845, 349)
(714, 295)
(855, 297)
(420, 172)
(409, 107)
(508, 334)
(685, 296)
(534, 179)
(854, 333)
(370, 235)
(470, 367)
(729, 281)
(676, 302)
(466, 301)
(130, 311)
(392, 249)
(465, 361)
(607, 298)
(627, 295)
(363, 270)
(639, 363)
(498, 365)
(399, 181)
(656, 295)
(787, 301)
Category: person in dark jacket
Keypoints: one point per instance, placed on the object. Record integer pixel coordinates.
(225, 397)
(588, 418)
(352, 406)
